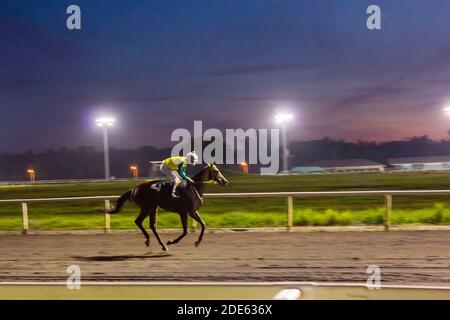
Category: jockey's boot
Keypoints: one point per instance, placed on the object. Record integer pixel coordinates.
(174, 191)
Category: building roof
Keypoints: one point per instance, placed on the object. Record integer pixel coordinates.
(345, 163)
(424, 159)
(306, 169)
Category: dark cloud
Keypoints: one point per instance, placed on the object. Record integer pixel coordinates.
(8, 84)
(366, 95)
(261, 68)
(159, 66)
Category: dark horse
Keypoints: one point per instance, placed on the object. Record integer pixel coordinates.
(156, 193)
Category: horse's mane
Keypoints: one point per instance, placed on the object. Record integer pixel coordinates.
(200, 172)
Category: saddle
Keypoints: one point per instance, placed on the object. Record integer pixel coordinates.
(166, 186)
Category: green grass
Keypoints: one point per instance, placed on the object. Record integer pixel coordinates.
(254, 212)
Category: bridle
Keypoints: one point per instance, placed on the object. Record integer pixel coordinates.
(213, 179)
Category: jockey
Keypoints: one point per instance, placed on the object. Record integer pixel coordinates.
(175, 169)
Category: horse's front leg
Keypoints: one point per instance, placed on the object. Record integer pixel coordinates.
(184, 218)
(199, 219)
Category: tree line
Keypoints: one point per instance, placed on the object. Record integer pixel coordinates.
(87, 162)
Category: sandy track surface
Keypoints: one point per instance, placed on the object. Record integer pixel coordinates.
(405, 257)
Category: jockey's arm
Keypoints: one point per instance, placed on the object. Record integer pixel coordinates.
(183, 174)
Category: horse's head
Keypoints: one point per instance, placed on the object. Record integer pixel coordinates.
(216, 176)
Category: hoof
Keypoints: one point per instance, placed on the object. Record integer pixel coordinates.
(164, 248)
(147, 243)
(170, 242)
(197, 243)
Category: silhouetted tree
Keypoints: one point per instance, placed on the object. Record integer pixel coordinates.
(86, 162)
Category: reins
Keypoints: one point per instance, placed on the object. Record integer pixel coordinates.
(198, 195)
(204, 182)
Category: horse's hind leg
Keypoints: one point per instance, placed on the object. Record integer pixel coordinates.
(199, 219)
(139, 221)
(184, 219)
(152, 226)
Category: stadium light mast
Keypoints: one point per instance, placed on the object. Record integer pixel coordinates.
(283, 119)
(105, 122)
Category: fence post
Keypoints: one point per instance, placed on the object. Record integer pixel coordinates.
(24, 218)
(387, 219)
(107, 217)
(290, 213)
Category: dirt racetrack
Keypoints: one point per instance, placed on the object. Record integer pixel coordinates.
(405, 257)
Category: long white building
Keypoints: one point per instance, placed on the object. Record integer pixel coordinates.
(349, 165)
(426, 163)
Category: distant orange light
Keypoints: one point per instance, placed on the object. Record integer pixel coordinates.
(31, 174)
(244, 166)
(134, 171)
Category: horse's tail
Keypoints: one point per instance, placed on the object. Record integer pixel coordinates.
(119, 204)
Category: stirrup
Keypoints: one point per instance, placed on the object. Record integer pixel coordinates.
(174, 195)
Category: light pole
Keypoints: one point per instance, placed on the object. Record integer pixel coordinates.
(282, 119)
(105, 122)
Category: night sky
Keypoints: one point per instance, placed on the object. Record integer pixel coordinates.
(160, 65)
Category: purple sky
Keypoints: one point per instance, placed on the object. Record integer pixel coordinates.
(160, 65)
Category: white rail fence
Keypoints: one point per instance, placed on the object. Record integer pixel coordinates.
(387, 194)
